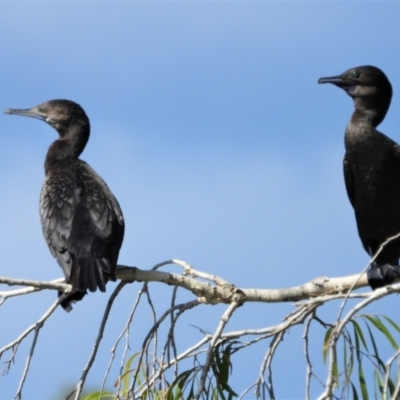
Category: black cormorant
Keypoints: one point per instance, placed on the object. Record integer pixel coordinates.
(81, 219)
(372, 169)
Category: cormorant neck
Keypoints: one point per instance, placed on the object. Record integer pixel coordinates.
(367, 118)
(71, 142)
(370, 110)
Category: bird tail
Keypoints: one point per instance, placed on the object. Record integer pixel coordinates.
(91, 274)
(73, 298)
(88, 274)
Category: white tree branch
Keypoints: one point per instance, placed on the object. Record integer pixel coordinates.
(227, 293)
(208, 289)
(223, 292)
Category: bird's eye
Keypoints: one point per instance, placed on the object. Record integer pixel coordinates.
(355, 74)
(41, 109)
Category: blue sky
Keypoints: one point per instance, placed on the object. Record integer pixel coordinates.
(210, 128)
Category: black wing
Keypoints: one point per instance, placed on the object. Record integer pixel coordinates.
(82, 224)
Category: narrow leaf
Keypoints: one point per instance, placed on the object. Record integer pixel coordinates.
(391, 322)
(379, 325)
(355, 394)
(358, 330)
(327, 339)
(96, 396)
(363, 385)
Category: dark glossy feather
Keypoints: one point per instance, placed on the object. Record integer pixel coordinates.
(81, 219)
(372, 170)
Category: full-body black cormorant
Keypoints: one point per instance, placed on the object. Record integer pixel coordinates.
(81, 219)
(372, 169)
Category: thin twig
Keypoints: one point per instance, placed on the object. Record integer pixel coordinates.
(307, 354)
(377, 294)
(270, 355)
(125, 332)
(381, 247)
(150, 334)
(37, 327)
(78, 389)
(206, 367)
(387, 372)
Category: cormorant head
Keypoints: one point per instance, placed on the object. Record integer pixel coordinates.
(60, 114)
(368, 86)
(365, 81)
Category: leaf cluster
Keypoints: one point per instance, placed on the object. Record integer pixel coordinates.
(184, 386)
(361, 357)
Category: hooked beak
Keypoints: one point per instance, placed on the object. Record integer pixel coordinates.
(26, 113)
(349, 85)
(339, 81)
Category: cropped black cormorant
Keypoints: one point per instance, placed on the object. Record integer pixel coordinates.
(372, 169)
(81, 219)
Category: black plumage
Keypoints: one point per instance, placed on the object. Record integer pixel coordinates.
(372, 169)
(81, 219)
